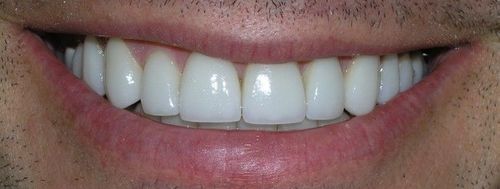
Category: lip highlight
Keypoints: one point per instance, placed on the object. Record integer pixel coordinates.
(237, 158)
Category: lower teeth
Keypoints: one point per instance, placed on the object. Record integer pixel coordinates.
(320, 98)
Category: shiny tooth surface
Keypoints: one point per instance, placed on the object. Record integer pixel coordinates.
(210, 90)
(417, 63)
(324, 89)
(274, 97)
(389, 78)
(220, 126)
(123, 74)
(242, 125)
(342, 118)
(405, 72)
(160, 85)
(273, 94)
(306, 124)
(77, 61)
(361, 85)
(176, 120)
(68, 57)
(93, 65)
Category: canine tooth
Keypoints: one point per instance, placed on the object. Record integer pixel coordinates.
(210, 90)
(222, 126)
(273, 94)
(160, 85)
(417, 64)
(68, 57)
(93, 65)
(405, 72)
(242, 125)
(123, 74)
(324, 86)
(361, 85)
(77, 61)
(176, 120)
(306, 124)
(389, 78)
(342, 118)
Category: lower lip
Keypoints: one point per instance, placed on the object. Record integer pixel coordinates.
(146, 149)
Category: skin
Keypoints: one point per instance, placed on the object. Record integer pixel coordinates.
(457, 145)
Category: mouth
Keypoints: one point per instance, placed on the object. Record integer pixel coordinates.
(186, 112)
(189, 89)
(208, 146)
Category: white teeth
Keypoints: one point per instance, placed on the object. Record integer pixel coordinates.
(273, 94)
(306, 124)
(242, 125)
(93, 65)
(221, 126)
(405, 72)
(123, 74)
(417, 64)
(160, 85)
(77, 61)
(389, 78)
(68, 57)
(176, 120)
(361, 85)
(273, 97)
(210, 90)
(324, 86)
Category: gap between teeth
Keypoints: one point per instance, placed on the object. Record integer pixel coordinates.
(210, 92)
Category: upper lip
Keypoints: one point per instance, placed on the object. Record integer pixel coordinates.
(235, 38)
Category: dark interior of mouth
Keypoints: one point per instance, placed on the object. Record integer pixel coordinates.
(61, 42)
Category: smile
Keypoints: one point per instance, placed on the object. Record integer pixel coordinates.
(214, 93)
(195, 142)
(203, 100)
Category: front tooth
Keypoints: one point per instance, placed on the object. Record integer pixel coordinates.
(417, 64)
(210, 90)
(93, 64)
(405, 72)
(68, 57)
(389, 78)
(123, 74)
(77, 61)
(273, 94)
(324, 85)
(361, 85)
(306, 124)
(160, 85)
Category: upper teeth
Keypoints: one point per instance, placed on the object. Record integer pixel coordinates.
(209, 91)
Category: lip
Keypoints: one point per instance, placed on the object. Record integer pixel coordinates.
(196, 157)
(252, 36)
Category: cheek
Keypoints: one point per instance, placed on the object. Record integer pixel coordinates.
(37, 144)
(477, 111)
(458, 142)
